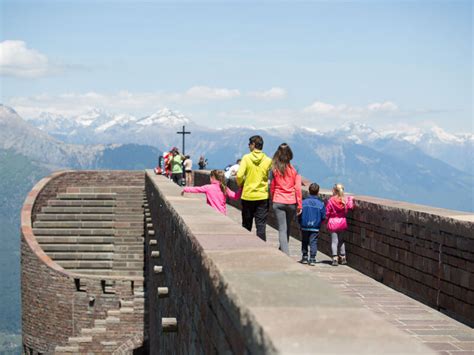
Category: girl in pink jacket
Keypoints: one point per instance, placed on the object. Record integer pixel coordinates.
(336, 212)
(216, 192)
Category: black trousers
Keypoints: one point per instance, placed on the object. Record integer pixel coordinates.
(259, 211)
(177, 177)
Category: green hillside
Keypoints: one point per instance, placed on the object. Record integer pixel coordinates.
(17, 176)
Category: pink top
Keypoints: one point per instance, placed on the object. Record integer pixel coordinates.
(286, 189)
(215, 197)
(335, 207)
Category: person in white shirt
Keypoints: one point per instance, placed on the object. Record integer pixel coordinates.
(232, 171)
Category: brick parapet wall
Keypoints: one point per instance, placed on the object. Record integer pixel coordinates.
(425, 252)
(56, 304)
(231, 293)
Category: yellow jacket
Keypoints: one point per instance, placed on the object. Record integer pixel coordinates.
(253, 175)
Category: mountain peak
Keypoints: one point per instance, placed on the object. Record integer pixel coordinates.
(165, 117)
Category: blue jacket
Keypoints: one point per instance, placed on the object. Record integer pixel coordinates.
(313, 214)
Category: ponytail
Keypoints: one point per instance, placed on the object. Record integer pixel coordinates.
(338, 190)
(219, 176)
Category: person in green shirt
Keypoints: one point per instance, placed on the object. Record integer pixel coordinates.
(176, 162)
(253, 177)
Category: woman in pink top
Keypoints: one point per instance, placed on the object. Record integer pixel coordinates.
(285, 192)
(216, 192)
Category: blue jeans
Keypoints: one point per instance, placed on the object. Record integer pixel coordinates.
(309, 238)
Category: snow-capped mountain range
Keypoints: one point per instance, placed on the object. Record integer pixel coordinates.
(416, 167)
(159, 130)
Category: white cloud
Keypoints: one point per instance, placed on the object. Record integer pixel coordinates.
(207, 93)
(319, 108)
(16, 59)
(386, 106)
(275, 93)
(71, 103)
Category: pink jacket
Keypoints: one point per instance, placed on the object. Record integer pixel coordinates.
(286, 189)
(336, 213)
(215, 196)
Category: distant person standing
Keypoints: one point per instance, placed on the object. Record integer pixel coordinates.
(232, 171)
(176, 162)
(285, 190)
(188, 170)
(202, 162)
(253, 177)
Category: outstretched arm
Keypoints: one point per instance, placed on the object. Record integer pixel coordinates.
(234, 195)
(196, 189)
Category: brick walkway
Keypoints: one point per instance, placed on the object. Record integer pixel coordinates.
(425, 324)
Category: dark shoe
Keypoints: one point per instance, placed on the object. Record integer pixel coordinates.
(304, 260)
(334, 262)
(312, 262)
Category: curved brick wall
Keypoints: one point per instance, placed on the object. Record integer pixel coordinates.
(425, 252)
(56, 304)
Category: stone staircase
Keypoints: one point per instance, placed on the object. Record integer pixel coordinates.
(88, 231)
(100, 231)
(117, 333)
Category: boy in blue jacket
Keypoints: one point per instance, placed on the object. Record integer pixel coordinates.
(310, 219)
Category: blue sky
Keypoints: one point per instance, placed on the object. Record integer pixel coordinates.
(317, 63)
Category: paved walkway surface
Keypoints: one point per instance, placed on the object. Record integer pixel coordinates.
(436, 330)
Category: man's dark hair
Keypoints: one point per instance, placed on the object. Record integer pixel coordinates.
(258, 141)
(314, 189)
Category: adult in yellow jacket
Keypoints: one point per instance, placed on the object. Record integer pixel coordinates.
(253, 177)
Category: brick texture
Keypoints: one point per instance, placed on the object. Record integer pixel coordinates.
(63, 311)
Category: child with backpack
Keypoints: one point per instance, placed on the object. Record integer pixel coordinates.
(311, 217)
(216, 192)
(337, 207)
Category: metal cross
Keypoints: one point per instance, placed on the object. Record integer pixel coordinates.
(183, 132)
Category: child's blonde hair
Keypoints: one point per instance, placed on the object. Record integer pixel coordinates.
(219, 176)
(338, 190)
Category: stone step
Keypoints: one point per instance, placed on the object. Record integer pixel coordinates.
(77, 210)
(86, 264)
(109, 343)
(112, 319)
(59, 239)
(99, 323)
(80, 340)
(82, 203)
(124, 303)
(96, 271)
(86, 196)
(74, 224)
(75, 217)
(129, 188)
(48, 248)
(66, 349)
(128, 210)
(80, 256)
(74, 231)
(94, 331)
(128, 257)
(118, 265)
(130, 217)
